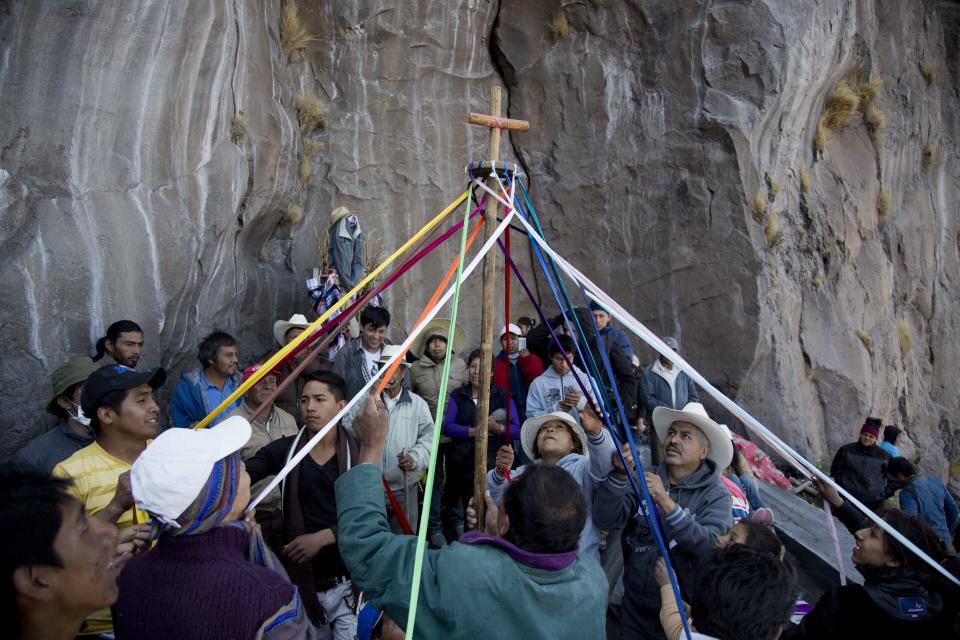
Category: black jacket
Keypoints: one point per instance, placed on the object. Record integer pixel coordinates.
(898, 602)
(862, 471)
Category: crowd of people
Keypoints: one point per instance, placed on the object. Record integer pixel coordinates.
(123, 521)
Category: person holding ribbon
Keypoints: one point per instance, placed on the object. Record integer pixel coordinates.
(209, 575)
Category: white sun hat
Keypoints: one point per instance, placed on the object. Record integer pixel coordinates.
(531, 427)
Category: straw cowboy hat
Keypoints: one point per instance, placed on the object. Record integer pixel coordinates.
(531, 427)
(390, 350)
(438, 327)
(280, 327)
(339, 214)
(721, 449)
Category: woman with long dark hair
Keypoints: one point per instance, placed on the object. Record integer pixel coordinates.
(901, 595)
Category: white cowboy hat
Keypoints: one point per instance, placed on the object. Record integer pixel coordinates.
(390, 350)
(531, 427)
(438, 327)
(721, 449)
(280, 327)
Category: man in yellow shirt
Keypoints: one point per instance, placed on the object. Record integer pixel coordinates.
(124, 416)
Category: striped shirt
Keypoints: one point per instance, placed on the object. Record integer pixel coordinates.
(94, 473)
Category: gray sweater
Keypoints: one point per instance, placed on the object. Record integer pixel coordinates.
(703, 513)
(589, 472)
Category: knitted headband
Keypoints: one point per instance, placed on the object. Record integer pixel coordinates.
(871, 428)
(212, 505)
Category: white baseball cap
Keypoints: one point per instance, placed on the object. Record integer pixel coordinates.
(172, 471)
(512, 328)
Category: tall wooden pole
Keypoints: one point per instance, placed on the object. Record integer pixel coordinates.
(486, 323)
(495, 123)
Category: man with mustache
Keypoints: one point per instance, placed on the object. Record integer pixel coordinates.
(691, 503)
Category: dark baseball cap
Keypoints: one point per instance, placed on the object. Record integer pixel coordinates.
(116, 377)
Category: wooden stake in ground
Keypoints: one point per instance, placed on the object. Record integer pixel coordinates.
(495, 123)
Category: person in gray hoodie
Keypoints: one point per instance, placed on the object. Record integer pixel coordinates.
(690, 501)
(557, 439)
(556, 389)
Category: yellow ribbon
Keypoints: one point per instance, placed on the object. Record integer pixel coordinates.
(280, 355)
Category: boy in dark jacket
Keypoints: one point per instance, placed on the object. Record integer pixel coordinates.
(861, 467)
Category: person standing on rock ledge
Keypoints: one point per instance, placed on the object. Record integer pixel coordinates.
(202, 390)
(861, 467)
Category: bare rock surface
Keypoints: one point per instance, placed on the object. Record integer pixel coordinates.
(655, 125)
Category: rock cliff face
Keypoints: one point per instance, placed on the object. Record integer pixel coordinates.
(812, 280)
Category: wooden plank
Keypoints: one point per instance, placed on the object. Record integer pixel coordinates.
(803, 530)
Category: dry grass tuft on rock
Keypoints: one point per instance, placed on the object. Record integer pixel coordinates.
(559, 26)
(310, 149)
(758, 206)
(817, 282)
(264, 255)
(804, 180)
(238, 129)
(905, 335)
(292, 217)
(929, 71)
(311, 113)
(866, 340)
(772, 230)
(841, 107)
(883, 205)
(929, 154)
(875, 120)
(773, 189)
(853, 95)
(294, 35)
(305, 170)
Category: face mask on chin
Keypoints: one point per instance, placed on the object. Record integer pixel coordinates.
(82, 419)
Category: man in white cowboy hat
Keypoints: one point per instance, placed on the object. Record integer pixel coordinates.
(345, 247)
(693, 507)
(409, 439)
(425, 377)
(284, 331)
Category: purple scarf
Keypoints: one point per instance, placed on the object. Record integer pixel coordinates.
(545, 561)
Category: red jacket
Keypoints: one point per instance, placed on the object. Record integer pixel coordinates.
(519, 376)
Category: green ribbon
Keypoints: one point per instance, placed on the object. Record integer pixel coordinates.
(437, 422)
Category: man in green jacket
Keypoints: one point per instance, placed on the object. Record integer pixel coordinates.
(524, 578)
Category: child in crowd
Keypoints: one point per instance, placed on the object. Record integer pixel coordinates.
(746, 533)
(739, 593)
(557, 388)
(752, 534)
(556, 439)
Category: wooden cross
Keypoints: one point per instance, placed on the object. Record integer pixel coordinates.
(495, 123)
